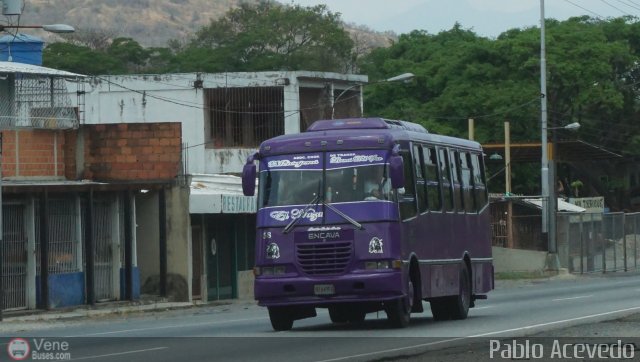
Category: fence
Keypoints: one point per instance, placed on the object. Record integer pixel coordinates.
(596, 242)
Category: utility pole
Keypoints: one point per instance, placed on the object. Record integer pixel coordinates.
(548, 200)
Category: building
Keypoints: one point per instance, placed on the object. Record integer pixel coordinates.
(223, 118)
(77, 197)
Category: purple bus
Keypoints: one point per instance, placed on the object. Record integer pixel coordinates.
(369, 214)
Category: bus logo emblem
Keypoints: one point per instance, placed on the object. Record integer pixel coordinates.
(375, 246)
(280, 215)
(273, 251)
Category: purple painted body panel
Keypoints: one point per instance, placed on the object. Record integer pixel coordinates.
(364, 211)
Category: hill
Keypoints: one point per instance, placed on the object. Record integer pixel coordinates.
(149, 22)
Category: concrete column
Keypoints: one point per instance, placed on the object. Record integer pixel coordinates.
(179, 261)
(116, 242)
(292, 106)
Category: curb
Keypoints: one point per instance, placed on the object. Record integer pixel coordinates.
(42, 316)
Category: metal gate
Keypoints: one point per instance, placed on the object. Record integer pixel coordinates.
(106, 230)
(14, 256)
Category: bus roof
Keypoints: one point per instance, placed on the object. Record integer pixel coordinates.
(357, 133)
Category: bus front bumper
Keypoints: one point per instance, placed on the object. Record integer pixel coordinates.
(323, 291)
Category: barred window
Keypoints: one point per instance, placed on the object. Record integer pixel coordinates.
(244, 117)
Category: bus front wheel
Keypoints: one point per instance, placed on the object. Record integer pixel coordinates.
(399, 310)
(281, 320)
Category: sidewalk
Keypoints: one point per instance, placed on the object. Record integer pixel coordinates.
(106, 309)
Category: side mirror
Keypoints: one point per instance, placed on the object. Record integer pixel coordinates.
(249, 177)
(396, 171)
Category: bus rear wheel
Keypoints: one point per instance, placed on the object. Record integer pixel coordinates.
(461, 303)
(338, 315)
(344, 314)
(457, 306)
(281, 320)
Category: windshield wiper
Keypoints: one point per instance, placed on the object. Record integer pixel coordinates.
(345, 216)
(313, 202)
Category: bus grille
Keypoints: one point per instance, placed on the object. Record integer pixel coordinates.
(324, 258)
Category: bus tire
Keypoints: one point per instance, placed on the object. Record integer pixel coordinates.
(280, 319)
(356, 316)
(338, 315)
(398, 312)
(344, 314)
(461, 303)
(440, 308)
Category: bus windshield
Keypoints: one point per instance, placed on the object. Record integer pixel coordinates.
(337, 182)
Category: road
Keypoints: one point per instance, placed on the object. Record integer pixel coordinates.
(243, 331)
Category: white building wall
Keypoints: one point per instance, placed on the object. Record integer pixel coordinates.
(173, 98)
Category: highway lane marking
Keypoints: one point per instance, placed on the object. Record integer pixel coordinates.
(121, 353)
(478, 335)
(168, 327)
(393, 350)
(572, 298)
(485, 307)
(556, 322)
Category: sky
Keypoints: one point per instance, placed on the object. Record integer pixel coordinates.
(485, 17)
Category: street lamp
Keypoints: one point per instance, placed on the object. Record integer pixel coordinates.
(570, 127)
(404, 78)
(52, 28)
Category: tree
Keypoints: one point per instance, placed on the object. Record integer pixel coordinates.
(94, 39)
(80, 59)
(129, 52)
(270, 36)
(593, 78)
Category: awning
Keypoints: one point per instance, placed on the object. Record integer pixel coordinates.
(13, 67)
(219, 194)
(563, 206)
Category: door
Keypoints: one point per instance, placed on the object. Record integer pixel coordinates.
(221, 257)
(14, 256)
(196, 261)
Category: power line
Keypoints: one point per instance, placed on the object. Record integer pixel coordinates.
(585, 9)
(491, 115)
(198, 106)
(615, 7)
(628, 4)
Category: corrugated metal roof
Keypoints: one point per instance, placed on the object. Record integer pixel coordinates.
(214, 184)
(13, 67)
(563, 206)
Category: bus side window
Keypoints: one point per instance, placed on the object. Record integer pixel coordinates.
(408, 200)
(480, 190)
(421, 193)
(455, 180)
(467, 182)
(433, 180)
(444, 179)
